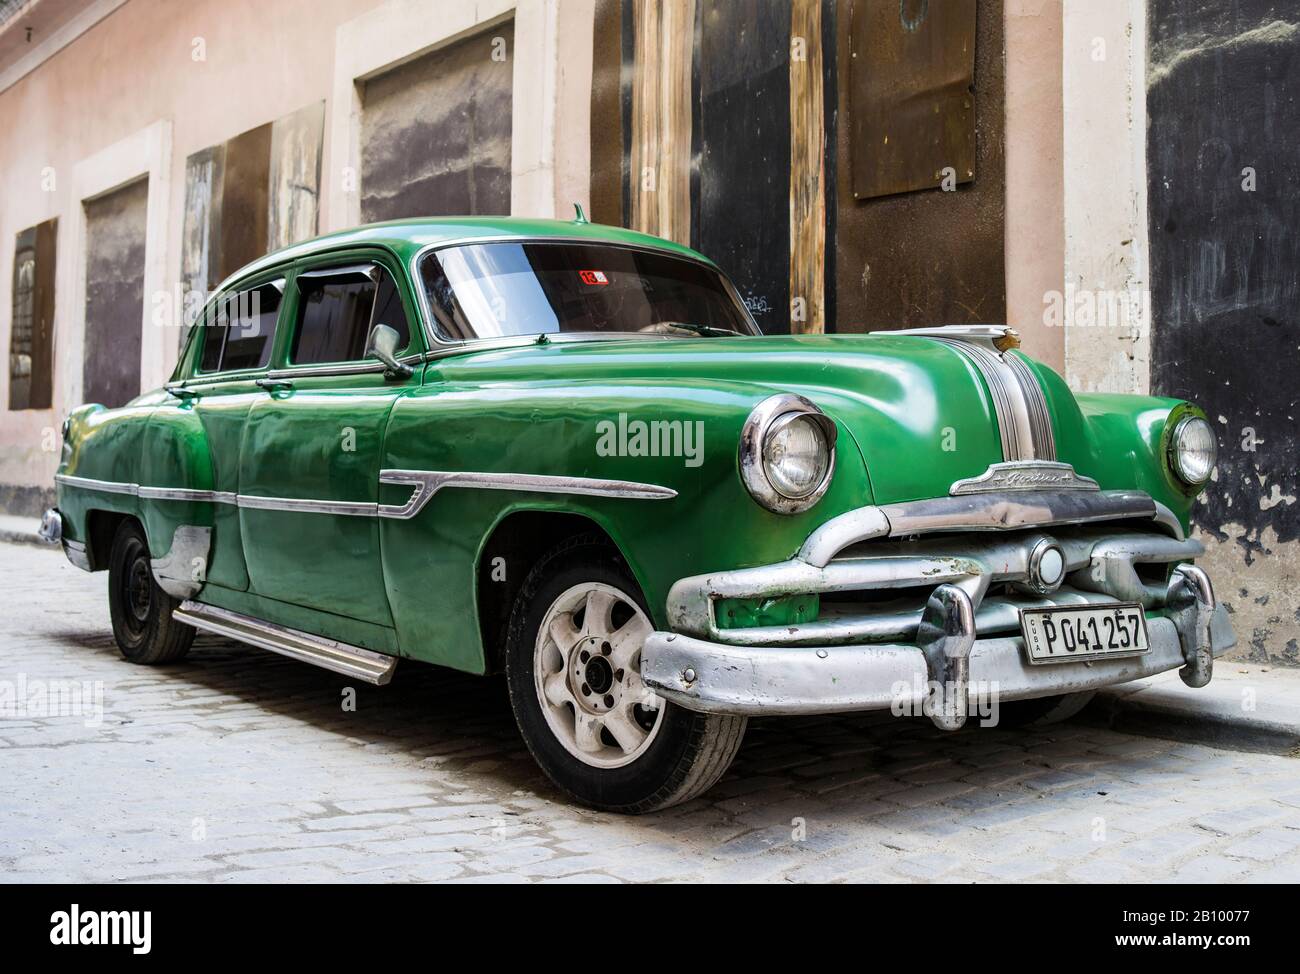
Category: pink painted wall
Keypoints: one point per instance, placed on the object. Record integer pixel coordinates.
(262, 60)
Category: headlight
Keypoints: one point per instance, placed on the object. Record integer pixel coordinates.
(1192, 450)
(787, 453)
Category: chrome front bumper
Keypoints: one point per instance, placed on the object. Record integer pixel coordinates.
(959, 643)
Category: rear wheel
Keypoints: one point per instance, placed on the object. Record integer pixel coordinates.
(573, 665)
(141, 612)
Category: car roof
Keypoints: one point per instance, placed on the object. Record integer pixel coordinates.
(407, 237)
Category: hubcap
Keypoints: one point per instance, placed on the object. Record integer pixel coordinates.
(139, 591)
(587, 670)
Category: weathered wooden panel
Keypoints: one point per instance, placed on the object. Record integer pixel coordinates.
(743, 115)
(1223, 167)
(245, 190)
(660, 161)
(201, 229)
(911, 92)
(807, 169)
(608, 118)
(31, 338)
(294, 194)
(116, 226)
(435, 132)
(926, 258)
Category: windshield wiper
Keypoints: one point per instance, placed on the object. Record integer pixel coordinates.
(691, 326)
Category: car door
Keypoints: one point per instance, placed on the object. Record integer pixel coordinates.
(229, 355)
(312, 446)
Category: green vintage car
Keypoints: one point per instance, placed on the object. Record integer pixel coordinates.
(564, 453)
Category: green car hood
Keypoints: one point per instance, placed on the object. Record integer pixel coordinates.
(917, 411)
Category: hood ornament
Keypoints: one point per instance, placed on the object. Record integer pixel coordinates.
(1024, 475)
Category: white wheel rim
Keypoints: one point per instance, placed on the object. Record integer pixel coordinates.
(588, 676)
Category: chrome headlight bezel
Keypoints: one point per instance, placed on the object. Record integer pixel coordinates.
(1176, 451)
(767, 417)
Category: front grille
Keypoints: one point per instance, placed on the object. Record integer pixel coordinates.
(875, 591)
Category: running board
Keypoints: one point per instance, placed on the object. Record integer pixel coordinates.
(363, 664)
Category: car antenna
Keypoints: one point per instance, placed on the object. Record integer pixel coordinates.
(578, 215)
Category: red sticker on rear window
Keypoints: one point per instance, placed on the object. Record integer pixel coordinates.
(593, 277)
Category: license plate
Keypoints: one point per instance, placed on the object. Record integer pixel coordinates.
(1094, 632)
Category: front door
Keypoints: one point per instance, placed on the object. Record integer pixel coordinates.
(309, 469)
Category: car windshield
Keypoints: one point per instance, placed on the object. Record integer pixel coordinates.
(499, 290)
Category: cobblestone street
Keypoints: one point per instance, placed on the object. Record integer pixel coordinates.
(238, 765)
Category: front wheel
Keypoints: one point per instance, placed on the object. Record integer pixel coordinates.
(141, 612)
(1041, 711)
(573, 666)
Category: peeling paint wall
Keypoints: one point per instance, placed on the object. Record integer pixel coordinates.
(115, 240)
(1224, 186)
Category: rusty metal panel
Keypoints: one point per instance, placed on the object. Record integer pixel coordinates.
(911, 94)
(115, 245)
(917, 259)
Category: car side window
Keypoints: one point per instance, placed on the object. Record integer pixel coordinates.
(238, 334)
(337, 310)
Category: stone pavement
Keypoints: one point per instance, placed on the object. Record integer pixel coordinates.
(241, 766)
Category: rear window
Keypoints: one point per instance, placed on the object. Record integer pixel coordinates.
(338, 308)
(239, 335)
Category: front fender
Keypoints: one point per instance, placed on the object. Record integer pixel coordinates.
(589, 430)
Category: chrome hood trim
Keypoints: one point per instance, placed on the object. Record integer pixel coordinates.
(1024, 422)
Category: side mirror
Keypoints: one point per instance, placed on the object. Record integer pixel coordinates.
(383, 346)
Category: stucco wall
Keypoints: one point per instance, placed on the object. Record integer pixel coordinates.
(215, 68)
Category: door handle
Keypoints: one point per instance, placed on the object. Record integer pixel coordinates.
(271, 385)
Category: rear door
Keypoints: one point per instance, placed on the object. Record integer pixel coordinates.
(196, 437)
(312, 447)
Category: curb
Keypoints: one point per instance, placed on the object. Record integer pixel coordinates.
(1213, 715)
(22, 536)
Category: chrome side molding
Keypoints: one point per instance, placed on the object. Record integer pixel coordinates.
(429, 482)
(329, 654)
(424, 484)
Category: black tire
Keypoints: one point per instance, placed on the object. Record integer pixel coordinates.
(689, 752)
(1041, 711)
(143, 625)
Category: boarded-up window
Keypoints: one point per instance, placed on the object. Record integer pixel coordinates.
(435, 132)
(31, 340)
(115, 242)
(911, 94)
(254, 193)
